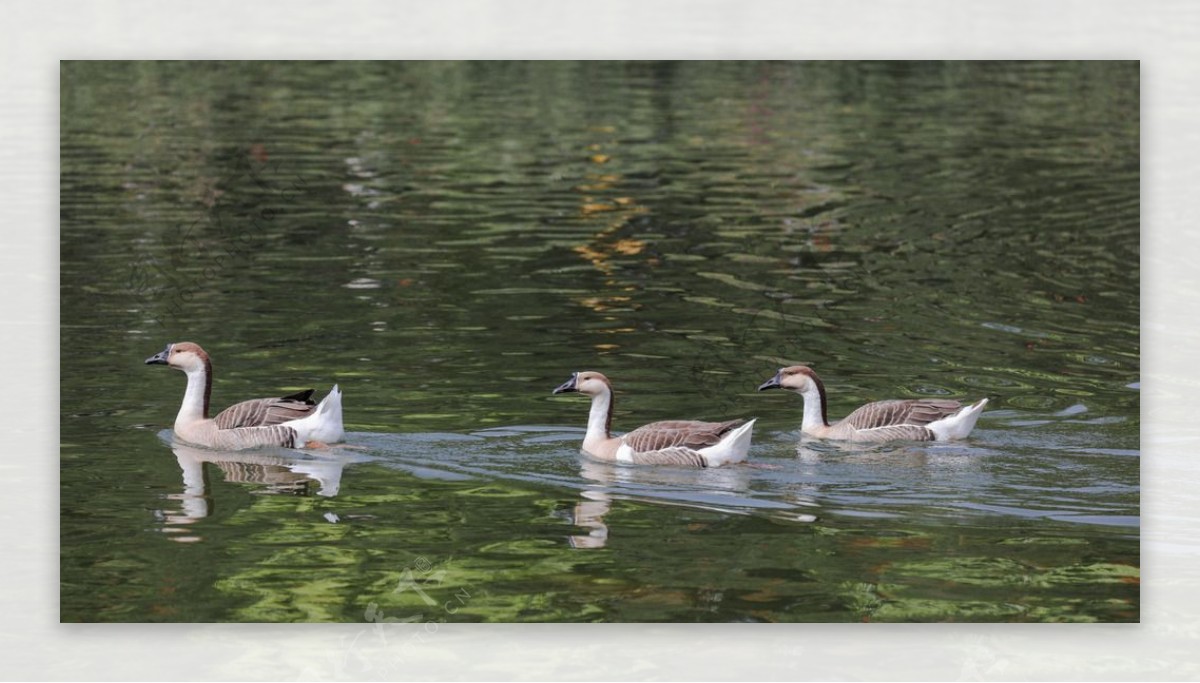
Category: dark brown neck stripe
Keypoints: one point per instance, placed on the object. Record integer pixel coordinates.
(207, 383)
(821, 391)
(612, 401)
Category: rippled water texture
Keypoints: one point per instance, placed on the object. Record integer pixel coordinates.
(448, 242)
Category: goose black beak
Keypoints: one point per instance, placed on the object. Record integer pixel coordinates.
(159, 358)
(566, 386)
(772, 383)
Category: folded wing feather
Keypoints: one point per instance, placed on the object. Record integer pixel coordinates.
(914, 412)
(893, 433)
(659, 436)
(266, 412)
(251, 437)
(685, 457)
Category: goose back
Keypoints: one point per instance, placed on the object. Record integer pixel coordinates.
(904, 419)
(682, 434)
(266, 412)
(901, 412)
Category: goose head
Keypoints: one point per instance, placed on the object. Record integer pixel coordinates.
(797, 378)
(184, 356)
(587, 382)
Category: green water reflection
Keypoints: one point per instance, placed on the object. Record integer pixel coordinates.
(448, 240)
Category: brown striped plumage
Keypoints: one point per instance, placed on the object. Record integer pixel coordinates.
(902, 417)
(692, 434)
(253, 437)
(680, 457)
(265, 412)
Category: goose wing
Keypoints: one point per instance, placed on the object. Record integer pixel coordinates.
(255, 437)
(911, 412)
(687, 434)
(894, 433)
(684, 457)
(266, 412)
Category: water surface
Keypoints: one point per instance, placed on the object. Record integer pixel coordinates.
(448, 241)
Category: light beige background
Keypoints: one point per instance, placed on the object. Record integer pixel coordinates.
(1163, 34)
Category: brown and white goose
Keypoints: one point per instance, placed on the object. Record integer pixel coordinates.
(900, 420)
(675, 442)
(290, 421)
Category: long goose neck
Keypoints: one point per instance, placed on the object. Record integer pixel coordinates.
(815, 414)
(195, 397)
(600, 418)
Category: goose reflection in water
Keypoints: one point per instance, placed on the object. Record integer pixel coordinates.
(725, 490)
(274, 471)
(589, 514)
(949, 456)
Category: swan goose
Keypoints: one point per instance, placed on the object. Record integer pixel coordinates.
(292, 421)
(675, 442)
(899, 420)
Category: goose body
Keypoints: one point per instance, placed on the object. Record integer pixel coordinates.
(687, 443)
(290, 421)
(898, 420)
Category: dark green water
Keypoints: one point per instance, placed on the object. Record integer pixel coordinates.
(448, 242)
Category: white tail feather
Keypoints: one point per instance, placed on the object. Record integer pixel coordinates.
(958, 425)
(733, 448)
(325, 423)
